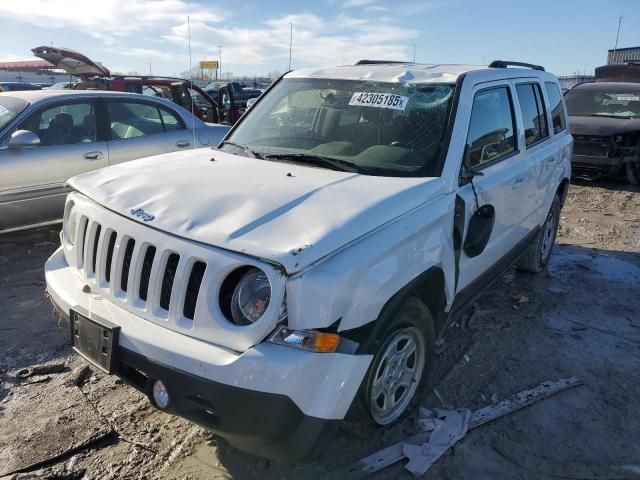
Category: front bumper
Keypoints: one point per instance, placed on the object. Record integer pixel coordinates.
(271, 400)
(600, 157)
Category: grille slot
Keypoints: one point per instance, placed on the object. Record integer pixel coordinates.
(167, 280)
(94, 254)
(126, 264)
(147, 263)
(83, 244)
(110, 247)
(193, 288)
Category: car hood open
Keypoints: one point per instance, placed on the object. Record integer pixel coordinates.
(602, 126)
(289, 214)
(71, 61)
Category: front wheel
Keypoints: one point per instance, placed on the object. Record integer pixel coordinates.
(539, 252)
(400, 364)
(633, 172)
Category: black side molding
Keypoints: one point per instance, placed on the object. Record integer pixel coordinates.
(508, 63)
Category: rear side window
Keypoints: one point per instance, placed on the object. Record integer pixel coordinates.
(534, 116)
(492, 128)
(137, 119)
(558, 116)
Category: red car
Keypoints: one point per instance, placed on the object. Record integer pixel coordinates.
(94, 76)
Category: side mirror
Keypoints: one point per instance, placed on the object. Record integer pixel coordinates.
(23, 139)
(250, 102)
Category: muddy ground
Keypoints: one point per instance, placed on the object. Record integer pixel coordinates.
(580, 318)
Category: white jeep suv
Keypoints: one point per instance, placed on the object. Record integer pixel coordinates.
(309, 263)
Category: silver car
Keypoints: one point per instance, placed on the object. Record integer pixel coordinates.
(48, 136)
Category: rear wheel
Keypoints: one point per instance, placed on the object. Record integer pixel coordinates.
(539, 252)
(397, 375)
(633, 172)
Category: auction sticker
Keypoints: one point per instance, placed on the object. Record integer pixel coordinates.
(628, 98)
(379, 100)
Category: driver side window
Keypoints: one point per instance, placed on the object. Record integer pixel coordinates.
(63, 124)
(491, 132)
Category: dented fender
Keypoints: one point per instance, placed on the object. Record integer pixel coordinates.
(355, 283)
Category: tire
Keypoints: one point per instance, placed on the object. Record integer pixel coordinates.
(396, 377)
(633, 172)
(539, 252)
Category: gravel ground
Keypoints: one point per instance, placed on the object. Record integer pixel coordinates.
(578, 318)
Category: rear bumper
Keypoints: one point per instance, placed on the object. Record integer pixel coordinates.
(271, 400)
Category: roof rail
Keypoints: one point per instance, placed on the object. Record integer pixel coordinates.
(379, 62)
(507, 63)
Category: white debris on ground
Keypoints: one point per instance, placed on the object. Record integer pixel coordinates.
(448, 426)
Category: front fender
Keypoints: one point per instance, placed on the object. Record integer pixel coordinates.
(354, 284)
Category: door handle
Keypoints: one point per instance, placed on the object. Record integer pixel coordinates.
(93, 155)
(183, 143)
(551, 159)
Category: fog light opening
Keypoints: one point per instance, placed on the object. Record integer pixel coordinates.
(160, 395)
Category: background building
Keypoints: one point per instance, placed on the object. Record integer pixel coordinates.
(32, 71)
(622, 55)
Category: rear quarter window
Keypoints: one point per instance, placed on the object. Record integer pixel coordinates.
(558, 113)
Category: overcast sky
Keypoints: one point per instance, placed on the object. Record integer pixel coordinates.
(128, 35)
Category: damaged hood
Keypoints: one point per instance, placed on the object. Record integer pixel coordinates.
(289, 214)
(71, 61)
(602, 126)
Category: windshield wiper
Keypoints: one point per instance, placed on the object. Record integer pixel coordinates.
(318, 160)
(254, 153)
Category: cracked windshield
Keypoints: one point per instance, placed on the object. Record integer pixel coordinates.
(386, 129)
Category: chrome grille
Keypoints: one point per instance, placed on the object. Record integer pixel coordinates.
(131, 269)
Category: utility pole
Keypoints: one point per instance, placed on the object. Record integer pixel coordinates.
(414, 53)
(220, 60)
(617, 37)
(290, 42)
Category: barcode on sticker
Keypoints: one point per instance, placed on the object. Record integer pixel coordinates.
(628, 98)
(379, 100)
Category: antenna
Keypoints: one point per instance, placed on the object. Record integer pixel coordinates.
(193, 120)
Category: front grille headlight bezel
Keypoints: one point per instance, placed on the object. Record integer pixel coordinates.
(70, 223)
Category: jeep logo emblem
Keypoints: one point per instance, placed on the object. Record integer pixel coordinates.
(140, 213)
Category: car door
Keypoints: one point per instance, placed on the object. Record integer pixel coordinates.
(141, 128)
(496, 191)
(540, 150)
(33, 180)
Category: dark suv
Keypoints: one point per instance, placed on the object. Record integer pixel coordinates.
(604, 118)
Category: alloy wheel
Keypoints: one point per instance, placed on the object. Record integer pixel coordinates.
(397, 375)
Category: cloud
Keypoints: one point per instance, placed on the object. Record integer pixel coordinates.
(148, 53)
(140, 31)
(342, 39)
(358, 3)
(107, 19)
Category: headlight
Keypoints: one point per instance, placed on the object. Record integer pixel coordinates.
(250, 297)
(70, 226)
